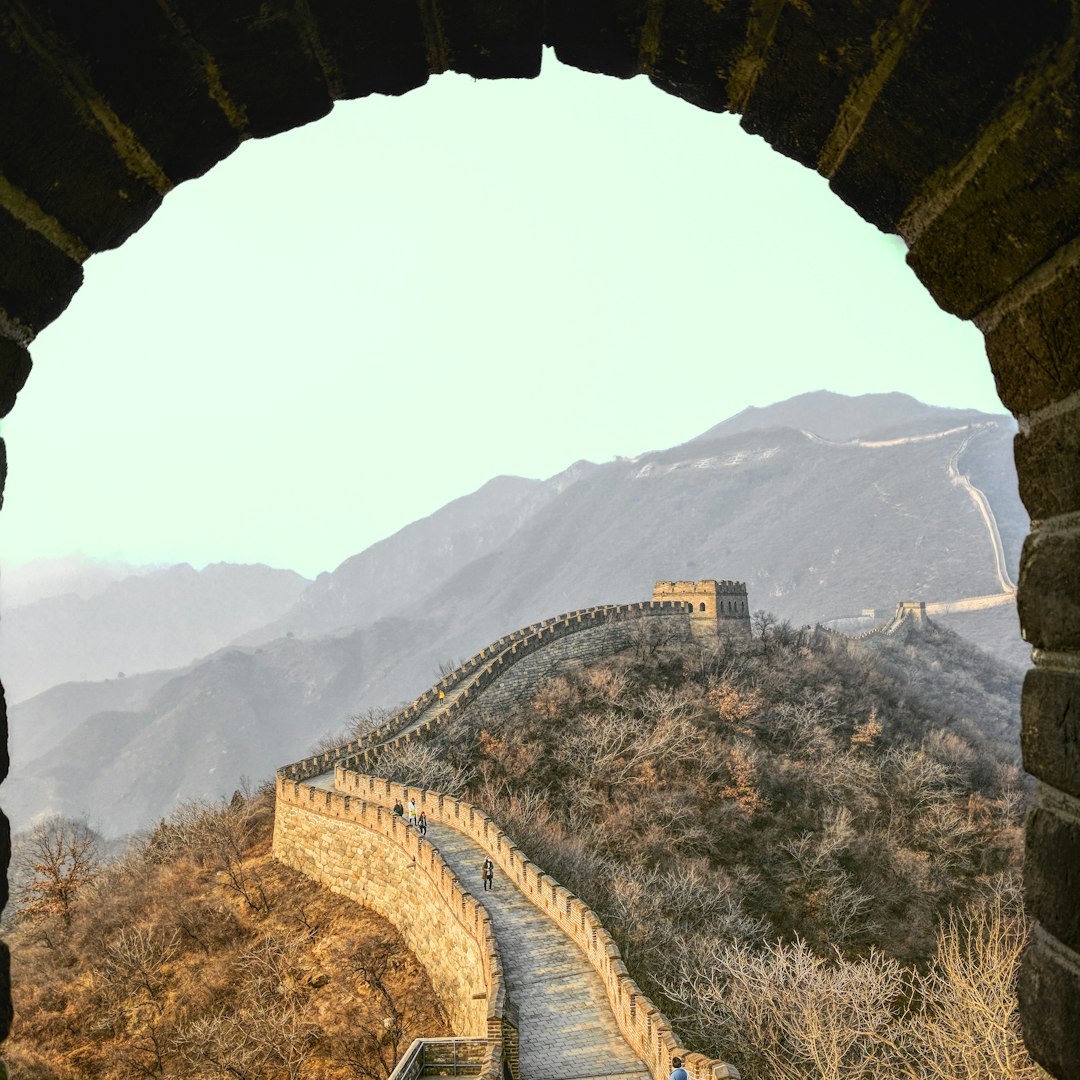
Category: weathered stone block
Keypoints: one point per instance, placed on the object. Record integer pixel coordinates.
(1034, 350)
(1013, 214)
(1052, 875)
(945, 87)
(696, 49)
(1050, 1009)
(37, 281)
(60, 158)
(247, 39)
(378, 45)
(6, 1012)
(1049, 595)
(597, 35)
(816, 54)
(492, 40)
(1048, 465)
(149, 76)
(1050, 732)
(14, 369)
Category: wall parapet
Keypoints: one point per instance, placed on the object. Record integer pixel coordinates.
(500, 1023)
(642, 1024)
(479, 671)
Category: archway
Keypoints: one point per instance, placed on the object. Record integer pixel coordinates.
(953, 126)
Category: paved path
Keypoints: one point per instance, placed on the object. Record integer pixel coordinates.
(566, 1026)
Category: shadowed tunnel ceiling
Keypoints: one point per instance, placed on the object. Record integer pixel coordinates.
(955, 124)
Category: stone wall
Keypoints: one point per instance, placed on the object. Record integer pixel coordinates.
(643, 1026)
(364, 852)
(615, 626)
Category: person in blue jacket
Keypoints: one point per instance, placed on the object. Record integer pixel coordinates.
(678, 1072)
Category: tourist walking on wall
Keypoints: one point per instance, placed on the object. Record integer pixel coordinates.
(489, 874)
(399, 810)
(678, 1072)
(421, 823)
(412, 811)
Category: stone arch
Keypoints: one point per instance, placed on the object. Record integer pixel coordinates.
(953, 125)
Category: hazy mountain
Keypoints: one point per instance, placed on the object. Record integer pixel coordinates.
(396, 572)
(23, 583)
(840, 417)
(35, 726)
(241, 711)
(154, 620)
(819, 527)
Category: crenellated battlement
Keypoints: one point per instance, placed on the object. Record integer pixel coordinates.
(334, 821)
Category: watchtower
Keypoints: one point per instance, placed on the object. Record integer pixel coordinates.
(717, 608)
(914, 609)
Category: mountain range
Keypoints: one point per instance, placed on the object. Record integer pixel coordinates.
(825, 505)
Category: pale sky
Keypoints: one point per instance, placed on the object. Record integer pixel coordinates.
(340, 329)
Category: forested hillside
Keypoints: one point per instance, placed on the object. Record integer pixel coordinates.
(778, 830)
(196, 955)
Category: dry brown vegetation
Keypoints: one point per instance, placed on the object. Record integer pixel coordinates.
(807, 849)
(197, 955)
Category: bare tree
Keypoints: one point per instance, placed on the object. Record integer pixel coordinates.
(53, 864)
(377, 1045)
(761, 624)
(970, 1024)
(269, 1032)
(419, 765)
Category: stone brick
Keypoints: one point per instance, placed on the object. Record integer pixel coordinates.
(6, 1012)
(36, 280)
(265, 63)
(1049, 595)
(5, 840)
(378, 46)
(697, 49)
(1014, 213)
(1050, 732)
(136, 59)
(1052, 875)
(817, 52)
(1034, 349)
(946, 85)
(492, 40)
(380, 873)
(14, 369)
(597, 35)
(1050, 1009)
(1048, 465)
(60, 158)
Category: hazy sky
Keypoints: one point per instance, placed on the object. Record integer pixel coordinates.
(339, 329)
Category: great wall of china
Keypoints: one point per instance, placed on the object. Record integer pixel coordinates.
(530, 980)
(578, 1013)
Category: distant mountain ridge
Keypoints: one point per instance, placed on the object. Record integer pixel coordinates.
(155, 619)
(818, 528)
(843, 418)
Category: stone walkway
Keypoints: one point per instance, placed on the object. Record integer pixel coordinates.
(567, 1029)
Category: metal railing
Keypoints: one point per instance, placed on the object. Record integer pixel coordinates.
(442, 1057)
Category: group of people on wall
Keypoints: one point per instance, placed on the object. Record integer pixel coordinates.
(419, 822)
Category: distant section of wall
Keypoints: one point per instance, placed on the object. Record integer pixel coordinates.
(362, 851)
(519, 682)
(463, 686)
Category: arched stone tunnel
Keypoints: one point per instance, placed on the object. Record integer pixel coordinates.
(955, 124)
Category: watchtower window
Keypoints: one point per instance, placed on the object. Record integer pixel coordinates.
(701, 607)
